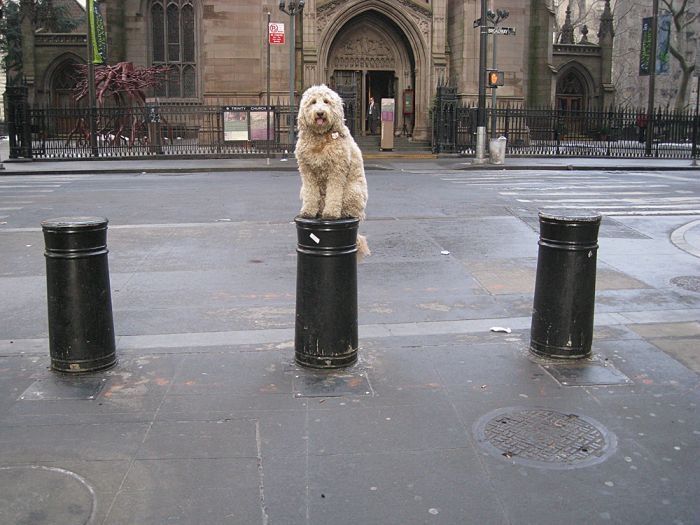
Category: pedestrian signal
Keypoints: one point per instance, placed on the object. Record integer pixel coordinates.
(494, 78)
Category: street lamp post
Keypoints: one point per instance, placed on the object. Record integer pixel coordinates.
(495, 18)
(292, 8)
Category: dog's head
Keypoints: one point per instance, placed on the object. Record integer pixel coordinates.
(321, 110)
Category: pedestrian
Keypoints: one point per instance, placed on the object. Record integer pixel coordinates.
(642, 126)
(372, 116)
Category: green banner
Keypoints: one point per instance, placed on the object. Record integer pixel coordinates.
(97, 30)
(663, 39)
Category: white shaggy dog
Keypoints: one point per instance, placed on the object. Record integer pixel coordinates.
(333, 183)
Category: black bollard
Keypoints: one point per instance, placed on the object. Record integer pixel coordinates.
(326, 310)
(562, 313)
(81, 329)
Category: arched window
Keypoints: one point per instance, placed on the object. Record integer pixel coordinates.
(174, 44)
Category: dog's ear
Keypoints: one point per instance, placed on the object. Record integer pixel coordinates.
(338, 114)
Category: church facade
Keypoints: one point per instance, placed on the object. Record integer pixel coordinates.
(400, 49)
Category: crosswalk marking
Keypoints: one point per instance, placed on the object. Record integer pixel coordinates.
(609, 193)
(18, 192)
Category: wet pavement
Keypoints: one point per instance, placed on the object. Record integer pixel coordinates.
(206, 419)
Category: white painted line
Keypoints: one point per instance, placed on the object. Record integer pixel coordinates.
(652, 212)
(584, 193)
(630, 200)
(16, 186)
(624, 206)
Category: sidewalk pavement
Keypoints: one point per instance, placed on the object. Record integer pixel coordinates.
(376, 161)
(446, 419)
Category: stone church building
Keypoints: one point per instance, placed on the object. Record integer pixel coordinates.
(401, 49)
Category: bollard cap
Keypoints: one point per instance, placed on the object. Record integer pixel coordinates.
(71, 237)
(570, 215)
(577, 229)
(326, 237)
(74, 223)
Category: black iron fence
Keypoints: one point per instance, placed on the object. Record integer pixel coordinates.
(180, 130)
(618, 132)
(143, 131)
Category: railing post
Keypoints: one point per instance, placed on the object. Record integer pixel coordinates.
(694, 151)
(556, 129)
(610, 121)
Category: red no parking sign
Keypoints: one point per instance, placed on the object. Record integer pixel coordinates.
(275, 33)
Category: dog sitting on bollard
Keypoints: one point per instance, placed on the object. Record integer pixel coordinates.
(333, 183)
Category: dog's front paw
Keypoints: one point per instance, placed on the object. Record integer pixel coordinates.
(330, 216)
(307, 213)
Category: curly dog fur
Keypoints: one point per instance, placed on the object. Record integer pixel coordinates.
(333, 183)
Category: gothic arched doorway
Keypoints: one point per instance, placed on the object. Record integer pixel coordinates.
(572, 92)
(62, 82)
(370, 57)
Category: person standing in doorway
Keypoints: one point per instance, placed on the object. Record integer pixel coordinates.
(372, 116)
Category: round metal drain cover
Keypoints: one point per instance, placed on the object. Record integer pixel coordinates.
(687, 282)
(540, 437)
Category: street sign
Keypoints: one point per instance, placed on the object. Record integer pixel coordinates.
(500, 30)
(275, 31)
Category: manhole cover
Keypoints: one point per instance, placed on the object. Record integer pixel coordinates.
(544, 438)
(45, 495)
(687, 282)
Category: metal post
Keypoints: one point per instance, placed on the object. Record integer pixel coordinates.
(652, 79)
(493, 91)
(326, 303)
(481, 113)
(562, 312)
(91, 82)
(694, 153)
(292, 72)
(267, 107)
(294, 8)
(81, 329)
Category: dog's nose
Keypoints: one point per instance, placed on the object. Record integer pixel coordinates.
(320, 114)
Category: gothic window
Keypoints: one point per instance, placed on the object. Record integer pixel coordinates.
(174, 44)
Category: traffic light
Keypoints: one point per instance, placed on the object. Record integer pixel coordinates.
(494, 78)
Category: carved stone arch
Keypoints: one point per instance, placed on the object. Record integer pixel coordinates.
(415, 37)
(574, 82)
(56, 83)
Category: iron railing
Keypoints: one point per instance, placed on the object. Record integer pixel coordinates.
(145, 131)
(177, 130)
(617, 132)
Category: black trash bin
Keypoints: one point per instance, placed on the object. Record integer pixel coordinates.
(562, 312)
(81, 328)
(326, 303)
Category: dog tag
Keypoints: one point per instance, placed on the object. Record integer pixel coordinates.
(334, 134)
(314, 238)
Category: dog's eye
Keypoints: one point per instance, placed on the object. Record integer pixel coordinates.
(313, 101)
(325, 101)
